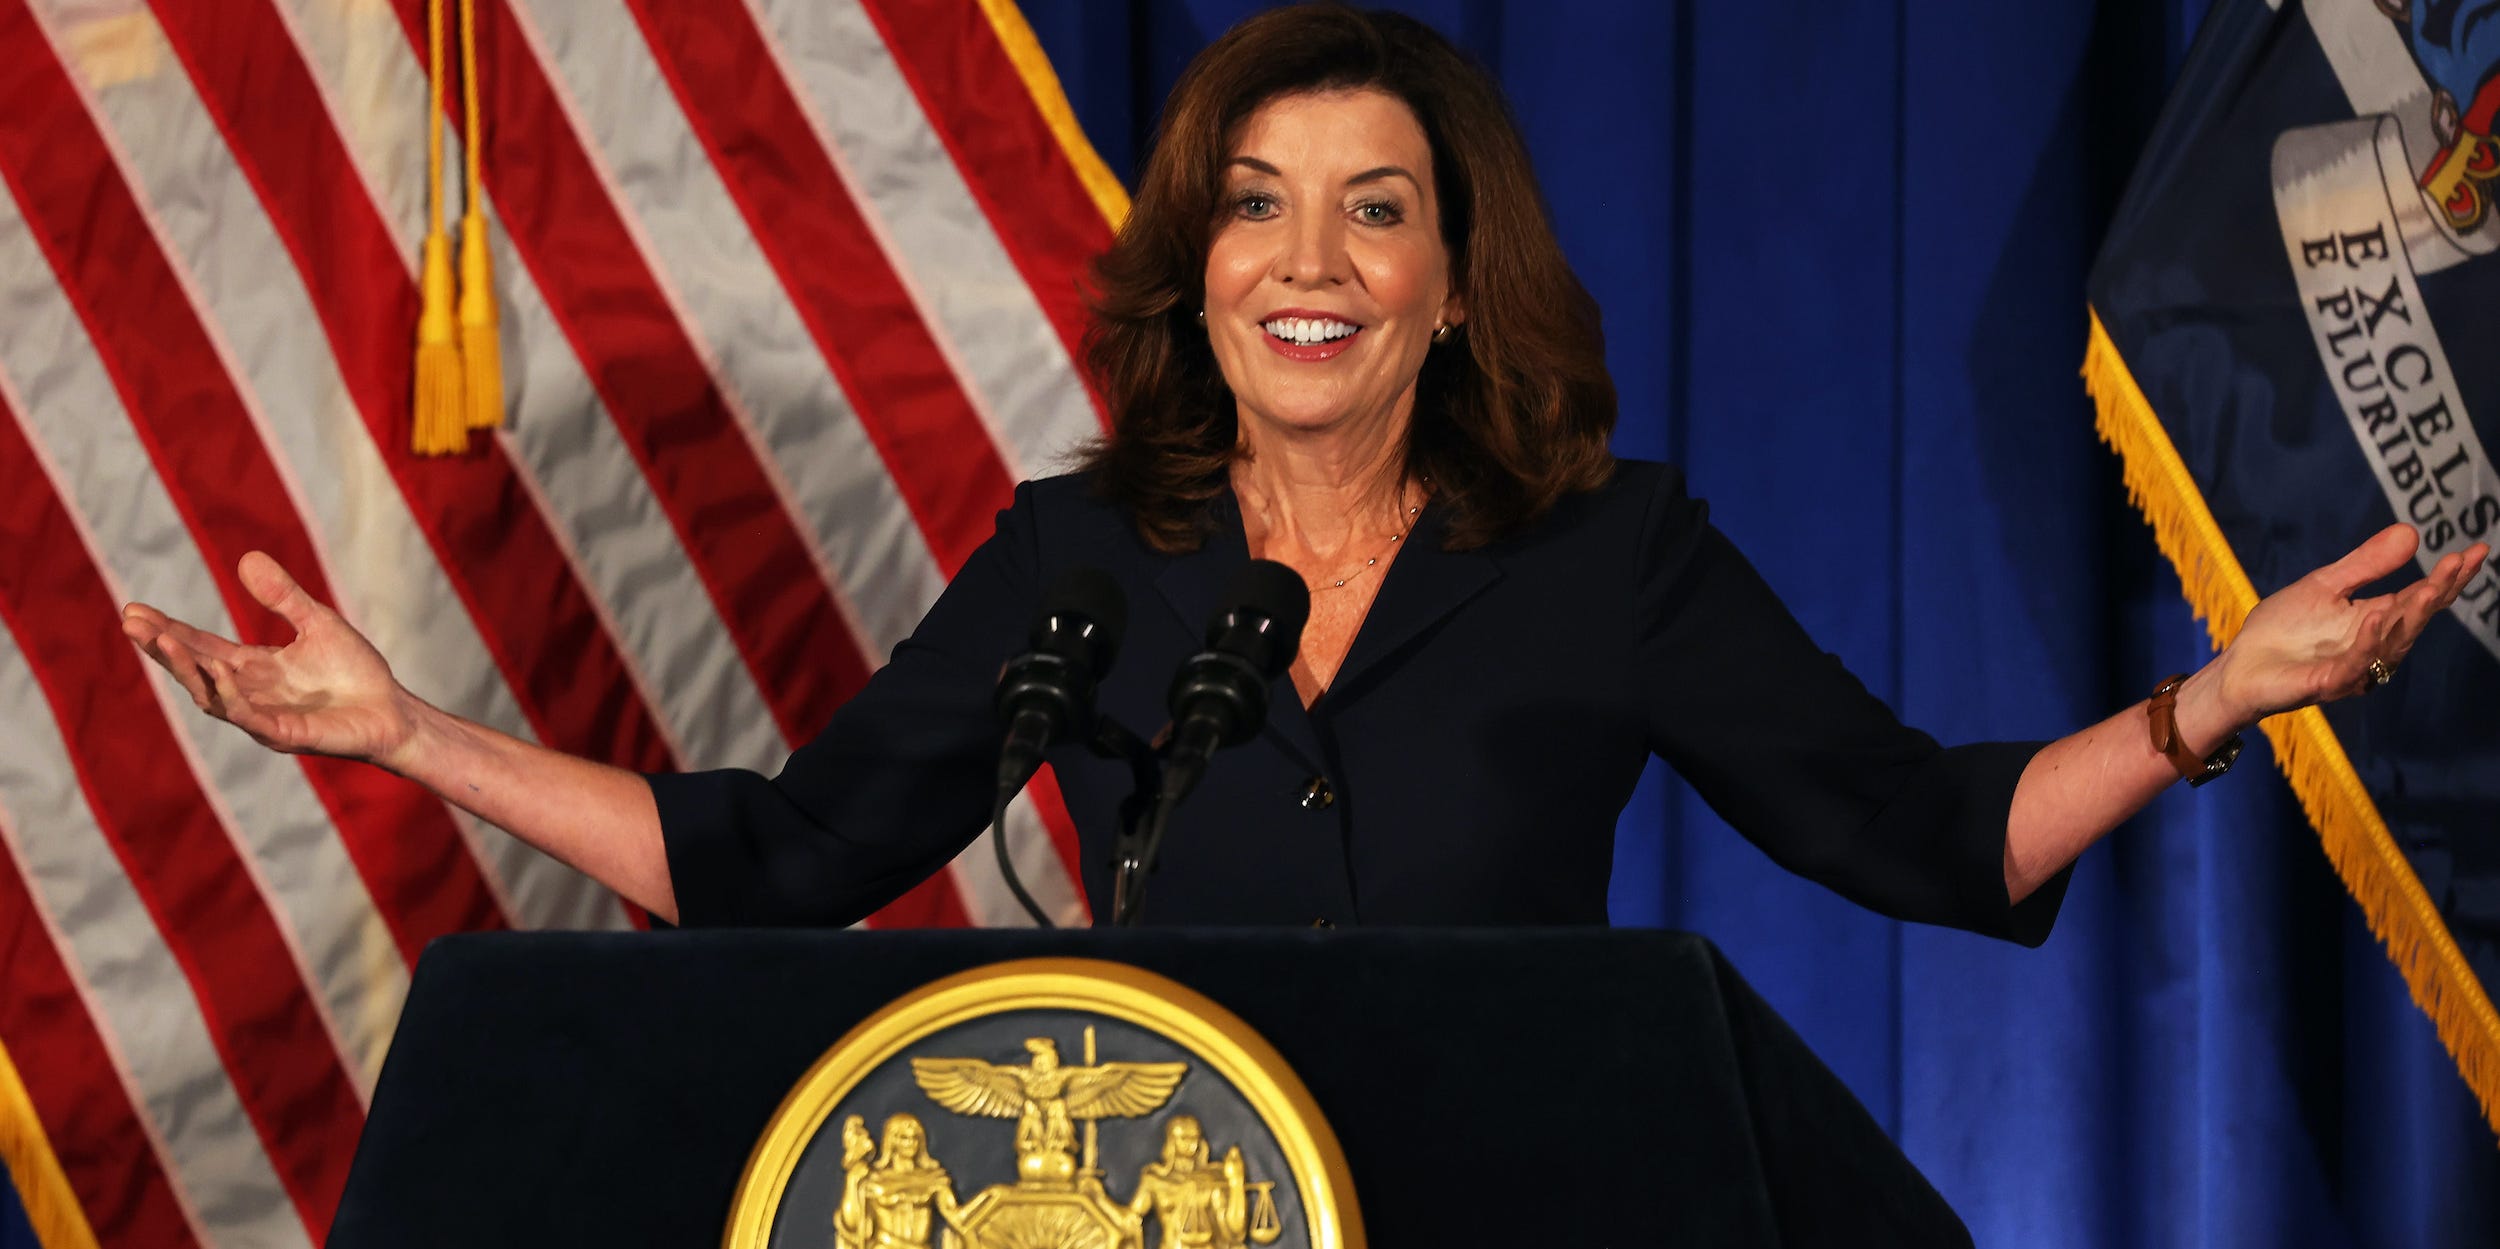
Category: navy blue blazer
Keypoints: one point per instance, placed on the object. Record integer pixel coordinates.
(1484, 732)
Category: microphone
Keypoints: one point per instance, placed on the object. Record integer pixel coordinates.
(1219, 697)
(1046, 694)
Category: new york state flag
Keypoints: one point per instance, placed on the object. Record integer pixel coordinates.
(2296, 339)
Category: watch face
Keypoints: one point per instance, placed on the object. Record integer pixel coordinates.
(2219, 761)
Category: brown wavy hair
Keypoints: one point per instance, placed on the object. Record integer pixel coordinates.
(1510, 415)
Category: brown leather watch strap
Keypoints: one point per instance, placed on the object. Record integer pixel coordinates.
(2163, 713)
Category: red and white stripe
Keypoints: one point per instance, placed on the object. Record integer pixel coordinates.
(790, 300)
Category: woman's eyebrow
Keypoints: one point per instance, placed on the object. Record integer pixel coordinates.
(1369, 175)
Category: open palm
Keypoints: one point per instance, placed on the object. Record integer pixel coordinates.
(2312, 642)
(327, 692)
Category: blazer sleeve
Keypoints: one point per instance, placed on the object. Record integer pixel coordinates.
(1786, 745)
(893, 788)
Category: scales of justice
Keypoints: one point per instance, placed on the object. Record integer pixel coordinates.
(895, 1195)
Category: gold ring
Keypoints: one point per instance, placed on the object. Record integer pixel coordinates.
(2380, 672)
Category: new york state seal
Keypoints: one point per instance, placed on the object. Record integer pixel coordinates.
(1047, 1104)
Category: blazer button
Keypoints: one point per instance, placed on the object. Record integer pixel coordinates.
(1318, 794)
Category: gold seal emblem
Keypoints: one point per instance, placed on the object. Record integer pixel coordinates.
(1175, 1127)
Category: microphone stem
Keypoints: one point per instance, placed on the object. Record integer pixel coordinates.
(1130, 881)
(1193, 742)
(1021, 756)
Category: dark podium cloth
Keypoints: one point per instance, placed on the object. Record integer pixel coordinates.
(1482, 736)
(1488, 1088)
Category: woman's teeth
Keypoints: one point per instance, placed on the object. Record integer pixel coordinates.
(1305, 331)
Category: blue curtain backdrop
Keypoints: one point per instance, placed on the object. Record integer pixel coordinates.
(1841, 249)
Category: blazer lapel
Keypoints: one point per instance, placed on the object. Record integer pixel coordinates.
(1426, 584)
(1193, 585)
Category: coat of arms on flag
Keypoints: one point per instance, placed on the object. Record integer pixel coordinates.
(2296, 340)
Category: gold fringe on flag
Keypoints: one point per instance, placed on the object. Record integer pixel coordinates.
(1041, 82)
(440, 425)
(481, 352)
(52, 1208)
(2331, 794)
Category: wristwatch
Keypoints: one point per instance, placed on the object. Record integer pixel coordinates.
(2163, 711)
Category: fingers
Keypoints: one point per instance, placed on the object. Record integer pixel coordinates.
(2469, 562)
(196, 659)
(2448, 577)
(189, 670)
(276, 590)
(143, 624)
(210, 681)
(2418, 603)
(2384, 552)
(2391, 624)
(228, 703)
(223, 700)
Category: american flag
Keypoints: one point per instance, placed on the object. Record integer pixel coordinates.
(789, 299)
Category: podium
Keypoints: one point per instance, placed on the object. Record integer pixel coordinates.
(1488, 1087)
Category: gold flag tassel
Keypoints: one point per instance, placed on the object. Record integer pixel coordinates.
(481, 351)
(2348, 822)
(438, 426)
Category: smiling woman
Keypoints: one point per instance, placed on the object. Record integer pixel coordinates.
(1317, 165)
(1337, 332)
(1323, 256)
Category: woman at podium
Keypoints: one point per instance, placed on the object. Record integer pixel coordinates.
(1336, 332)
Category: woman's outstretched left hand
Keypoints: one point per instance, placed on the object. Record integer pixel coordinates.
(2312, 642)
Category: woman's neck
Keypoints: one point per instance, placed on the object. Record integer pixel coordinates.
(1319, 494)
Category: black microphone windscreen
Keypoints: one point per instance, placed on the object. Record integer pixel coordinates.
(1276, 592)
(1091, 594)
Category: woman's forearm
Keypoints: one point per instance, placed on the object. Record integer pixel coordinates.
(2081, 786)
(598, 819)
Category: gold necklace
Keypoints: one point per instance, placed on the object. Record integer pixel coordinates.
(1413, 514)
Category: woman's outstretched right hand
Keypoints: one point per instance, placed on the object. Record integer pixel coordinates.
(327, 692)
